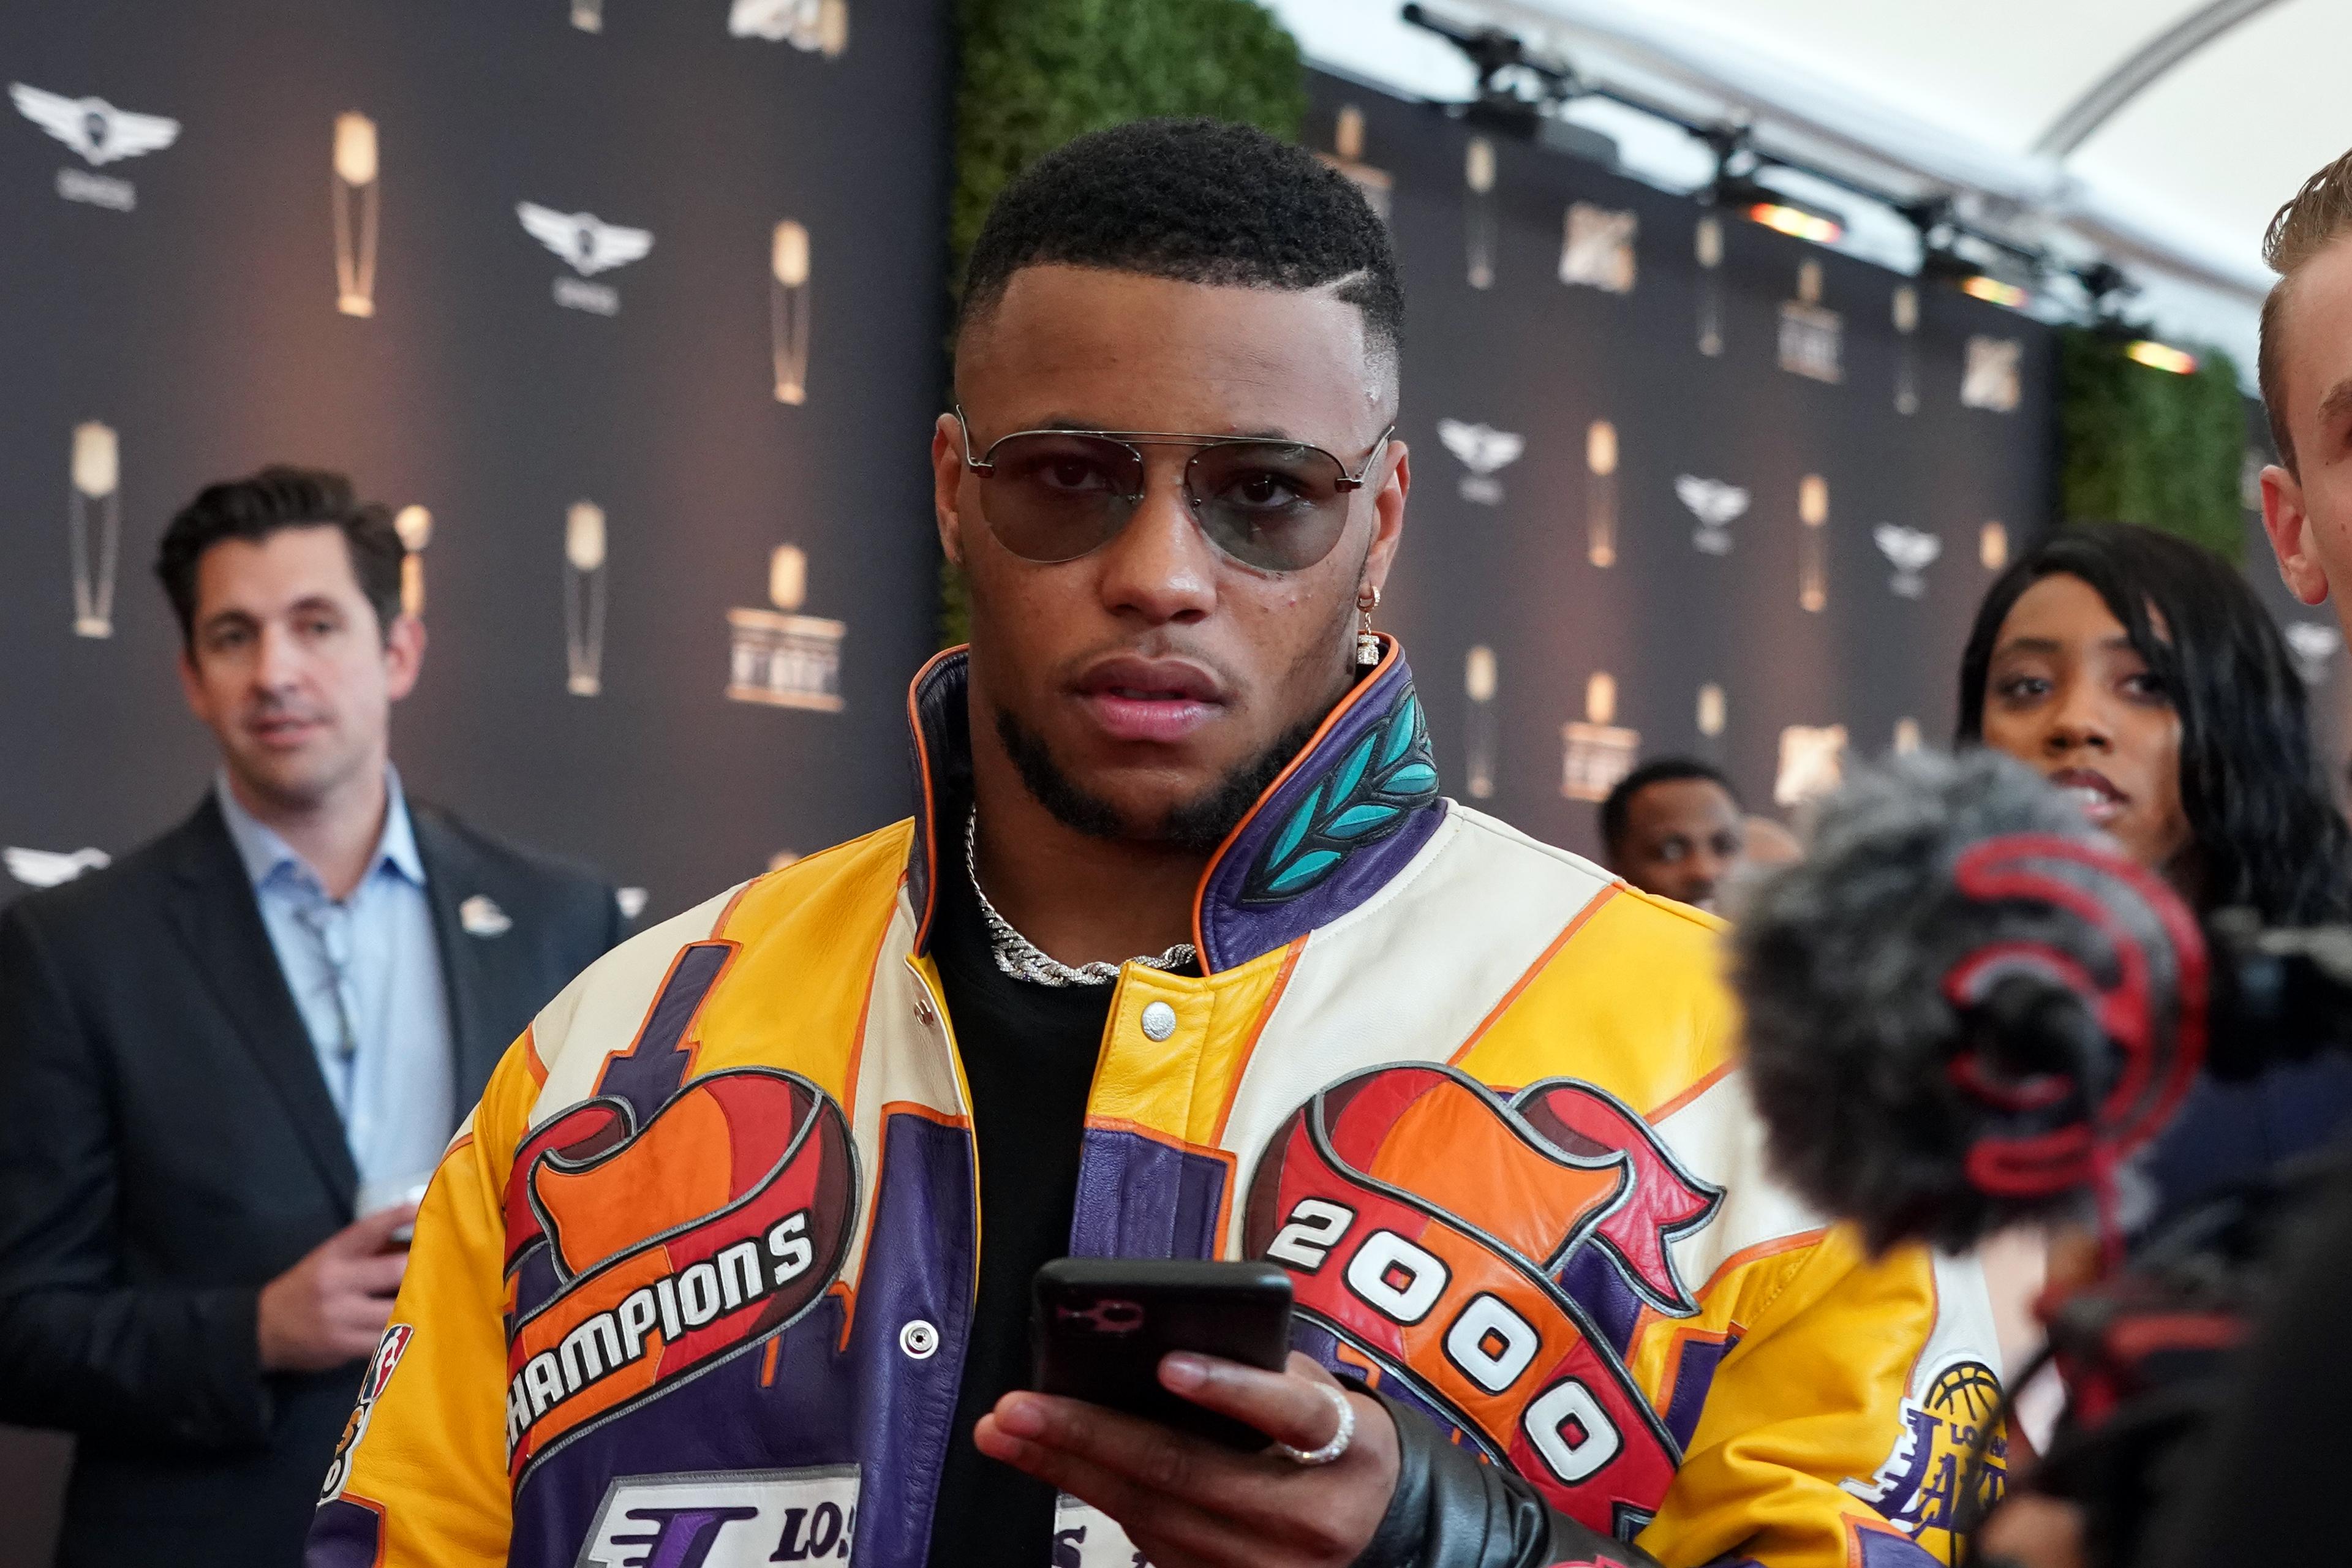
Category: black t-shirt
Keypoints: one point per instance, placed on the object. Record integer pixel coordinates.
(1029, 1055)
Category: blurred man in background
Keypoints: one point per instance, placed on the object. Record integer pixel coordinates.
(218, 1052)
(1673, 826)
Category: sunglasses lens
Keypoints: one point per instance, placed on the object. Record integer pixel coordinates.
(1054, 496)
(1276, 507)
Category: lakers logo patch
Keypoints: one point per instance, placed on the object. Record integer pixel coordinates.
(639, 1256)
(1926, 1481)
(1427, 1224)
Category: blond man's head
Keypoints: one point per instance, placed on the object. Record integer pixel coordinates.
(2305, 366)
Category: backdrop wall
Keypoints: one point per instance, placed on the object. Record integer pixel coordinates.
(174, 274)
(1588, 422)
(496, 383)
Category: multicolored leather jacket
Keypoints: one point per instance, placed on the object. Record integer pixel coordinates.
(691, 1288)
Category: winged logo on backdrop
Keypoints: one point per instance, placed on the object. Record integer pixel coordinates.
(1911, 550)
(1813, 763)
(51, 868)
(1597, 249)
(1485, 451)
(815, 27)
(101, 135)
(588, 244)
(1717, 505)
(2313, 644)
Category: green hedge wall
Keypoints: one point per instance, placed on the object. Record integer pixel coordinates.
(1038, 72)
(2140, 444)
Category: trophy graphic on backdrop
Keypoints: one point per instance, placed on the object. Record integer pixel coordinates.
(1596, 753)
(788, 309)
(354, 198)
(1906, 736)
(1347, 155)
(1601, 493)
(1813, 763)
(1478, 211)
(588, 15)
(1812, 339)
(583, 598)
(1710, 716)
(1478, 680)
(415, 526)
(1710, 283)
(779, 657)
(1907, 350)
(94, 527)
(1813, 543)
(1993, 547)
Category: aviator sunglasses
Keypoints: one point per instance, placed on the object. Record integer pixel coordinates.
(1055, 495)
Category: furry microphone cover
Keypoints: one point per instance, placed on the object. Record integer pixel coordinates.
(1840, 962)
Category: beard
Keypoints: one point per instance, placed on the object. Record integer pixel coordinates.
(1197, 826)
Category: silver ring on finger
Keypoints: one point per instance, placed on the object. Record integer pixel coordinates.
(1340, 1439)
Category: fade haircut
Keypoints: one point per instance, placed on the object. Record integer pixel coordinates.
(277, 498)
(2319, 215)
(1195, 201)
(1617, 811)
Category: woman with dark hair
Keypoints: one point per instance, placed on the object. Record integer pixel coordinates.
(2141, 674)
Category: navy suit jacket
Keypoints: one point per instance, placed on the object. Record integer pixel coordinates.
(167, 1146)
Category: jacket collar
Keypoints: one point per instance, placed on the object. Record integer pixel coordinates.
(1350, 810)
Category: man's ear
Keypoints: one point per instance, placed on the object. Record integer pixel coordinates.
(2289, 526)
(403, 655)
(947, 482)
(1388, 514)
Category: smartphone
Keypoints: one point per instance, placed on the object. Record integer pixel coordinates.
(1099, 1325)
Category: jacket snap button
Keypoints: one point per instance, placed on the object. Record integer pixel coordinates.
(924, 1013)
(1158, 1020)
(920, 1339)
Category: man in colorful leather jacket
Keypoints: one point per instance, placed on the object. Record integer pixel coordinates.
(732, 1264)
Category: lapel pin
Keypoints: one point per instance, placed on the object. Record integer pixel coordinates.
(481, 916)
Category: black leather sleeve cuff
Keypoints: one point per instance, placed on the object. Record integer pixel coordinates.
(1450, 1510)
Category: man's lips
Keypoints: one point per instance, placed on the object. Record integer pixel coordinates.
(282, 732)
(2096, 794)
(1151, 699)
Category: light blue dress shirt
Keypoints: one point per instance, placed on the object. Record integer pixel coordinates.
(366, 975)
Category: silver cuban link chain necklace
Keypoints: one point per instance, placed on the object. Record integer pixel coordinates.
(1020, 959)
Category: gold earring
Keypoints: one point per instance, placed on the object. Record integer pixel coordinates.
(1368, 647)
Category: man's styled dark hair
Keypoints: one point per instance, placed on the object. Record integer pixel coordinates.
(2266, 831)
(281, 496)
(2319, 215)
(1619, 806)
(1197, 201)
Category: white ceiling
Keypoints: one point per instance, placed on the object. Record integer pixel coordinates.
(2192, 167)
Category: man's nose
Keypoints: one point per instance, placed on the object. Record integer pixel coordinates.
(1161, 567)
(276, 658)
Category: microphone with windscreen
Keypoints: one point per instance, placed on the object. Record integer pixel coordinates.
(1964, 1008)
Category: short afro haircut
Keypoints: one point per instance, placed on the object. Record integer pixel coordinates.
(1197, 201)
(1617, 811)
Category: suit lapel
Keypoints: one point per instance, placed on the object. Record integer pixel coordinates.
(219, 918)
(451, 874)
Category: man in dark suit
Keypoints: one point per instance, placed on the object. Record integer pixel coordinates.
(218, 1052)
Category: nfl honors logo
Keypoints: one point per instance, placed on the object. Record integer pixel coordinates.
(101, 133)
